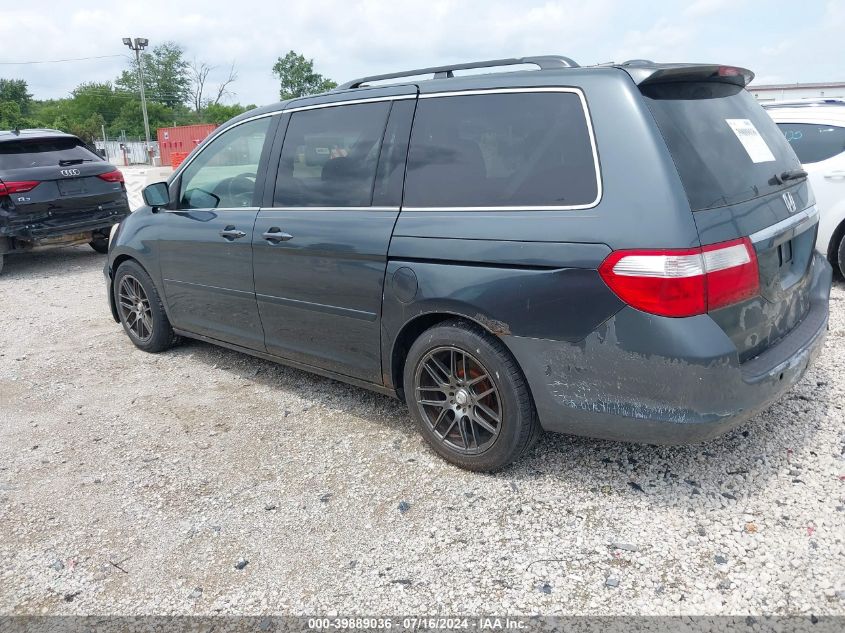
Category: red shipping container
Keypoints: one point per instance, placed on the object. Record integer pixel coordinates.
(181, 140)
(176, 158)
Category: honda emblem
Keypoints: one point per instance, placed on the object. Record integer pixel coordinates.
(789, 201)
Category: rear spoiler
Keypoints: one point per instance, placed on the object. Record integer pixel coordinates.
(644, 73)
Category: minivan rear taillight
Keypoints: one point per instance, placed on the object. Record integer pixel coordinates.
(20, 186)
(112, 176)
(683, 282)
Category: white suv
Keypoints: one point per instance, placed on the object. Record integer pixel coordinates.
(816, 130)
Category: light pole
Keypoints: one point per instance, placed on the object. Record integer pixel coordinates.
(137, 45)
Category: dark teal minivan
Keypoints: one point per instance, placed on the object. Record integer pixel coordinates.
(621, 251)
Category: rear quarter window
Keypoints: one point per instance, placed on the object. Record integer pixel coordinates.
(812, 142)
(43, 153)
(520, 149)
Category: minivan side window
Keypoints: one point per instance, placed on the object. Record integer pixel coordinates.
(520, 149)
(222, 176)
(813, 142)
(330, 155)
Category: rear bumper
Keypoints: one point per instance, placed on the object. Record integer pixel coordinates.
(53, 228)
(49, 220)
(657, 380)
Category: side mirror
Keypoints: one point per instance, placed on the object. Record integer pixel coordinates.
(156, 195)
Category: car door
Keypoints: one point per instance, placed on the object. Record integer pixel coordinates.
(205, 242)
(320, 250)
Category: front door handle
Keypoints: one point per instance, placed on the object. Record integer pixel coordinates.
(836, 174)
(231, 233)
(275, 234)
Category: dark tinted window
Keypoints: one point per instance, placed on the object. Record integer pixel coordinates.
(44, 153)
(813, 142)
(520, 149)
(330, 155)
(702, 124)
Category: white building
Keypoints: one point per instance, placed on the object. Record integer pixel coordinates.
(783, 92)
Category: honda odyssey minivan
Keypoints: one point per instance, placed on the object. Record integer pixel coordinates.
(621, 251)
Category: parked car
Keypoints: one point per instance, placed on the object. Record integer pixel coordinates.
(622, 251)
(816, 130)
(54, 191)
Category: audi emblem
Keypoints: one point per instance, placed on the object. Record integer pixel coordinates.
(70, 172)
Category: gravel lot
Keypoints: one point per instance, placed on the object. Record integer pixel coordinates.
(134, 484)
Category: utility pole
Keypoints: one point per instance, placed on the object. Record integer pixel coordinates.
(137, 45)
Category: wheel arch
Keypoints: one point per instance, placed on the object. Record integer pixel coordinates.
(118, 260)
(833, 247)
(414, 328)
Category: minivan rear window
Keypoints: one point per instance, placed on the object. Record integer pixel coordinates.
(45, 152)
(525, 149)
(702, 124)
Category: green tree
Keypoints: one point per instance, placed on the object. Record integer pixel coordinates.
(102, 99)
(219, 113)
(298, 78)
(16, 91)
(167, 78)
(130, 121)
(10, 116)
(89, 129)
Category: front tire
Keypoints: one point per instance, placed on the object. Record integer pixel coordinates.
(468, 397)
(140, 309)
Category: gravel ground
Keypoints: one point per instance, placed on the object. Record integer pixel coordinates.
(202, 481)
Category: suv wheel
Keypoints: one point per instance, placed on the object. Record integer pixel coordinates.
(100, 244)
(469, 397)
(141, 312)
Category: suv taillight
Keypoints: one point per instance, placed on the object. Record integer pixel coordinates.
(112, 176)
(683, 282)
(20, 186)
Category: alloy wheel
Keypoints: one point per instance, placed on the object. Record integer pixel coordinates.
(458, 399)
(135, 309)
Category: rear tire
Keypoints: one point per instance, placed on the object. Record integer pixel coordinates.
(468, 397)
(100, 244)
(140, 309)
(2, 257)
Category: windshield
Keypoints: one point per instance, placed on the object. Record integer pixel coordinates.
(44, 152)
(726, 148)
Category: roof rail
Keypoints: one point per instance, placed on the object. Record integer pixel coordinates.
(443, 72)
(810, 102)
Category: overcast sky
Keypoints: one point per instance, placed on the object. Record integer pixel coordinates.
(781, 41)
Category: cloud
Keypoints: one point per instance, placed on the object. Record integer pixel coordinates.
(700, 8)
(362, 37)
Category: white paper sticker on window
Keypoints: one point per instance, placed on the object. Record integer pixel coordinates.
(751, 140)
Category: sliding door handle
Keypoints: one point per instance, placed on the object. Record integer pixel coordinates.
(275, 235)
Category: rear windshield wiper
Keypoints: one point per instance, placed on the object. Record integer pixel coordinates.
(792, 174)
(75, 161)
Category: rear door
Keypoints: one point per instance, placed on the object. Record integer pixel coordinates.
(56, 183)
(205, 243)
(820, 146)
(735, 166)
(320, 250)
